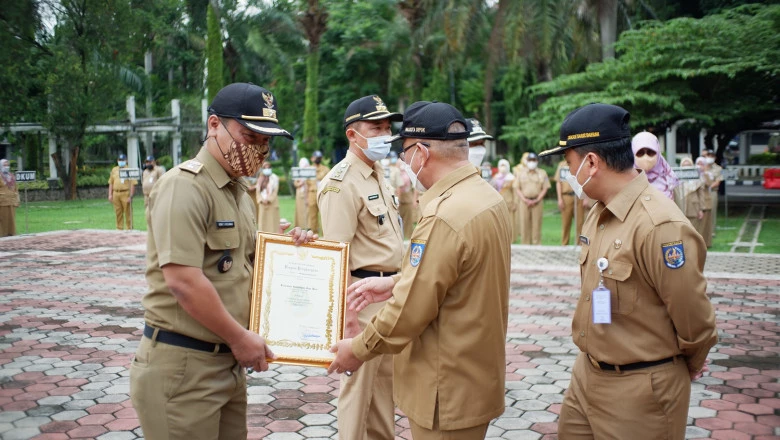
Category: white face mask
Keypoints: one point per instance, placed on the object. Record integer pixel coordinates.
(532, 164)
(378, 147)
(476, 154)
(646, 162)
(267, 171)
(121, 163)
(413, 177)
(571, 179)
(710, 160)
(6, 169)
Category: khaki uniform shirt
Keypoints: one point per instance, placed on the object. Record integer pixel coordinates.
(196, 214)
(149, 178)
(8, 196)
(659, 303)
(447, 318)
(565, 187)
(357, 206)
(119, 184)
(312, 184)
(531, 183)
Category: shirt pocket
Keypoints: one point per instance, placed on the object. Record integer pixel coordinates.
(380, 225)
(622, 291)
(220, 242)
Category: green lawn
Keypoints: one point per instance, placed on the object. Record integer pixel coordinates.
(99, 214)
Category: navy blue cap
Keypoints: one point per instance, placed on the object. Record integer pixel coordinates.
(251, 106)
(592, 124)
(431, 120)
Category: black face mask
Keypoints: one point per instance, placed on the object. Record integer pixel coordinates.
(318, 160)
(149, 166)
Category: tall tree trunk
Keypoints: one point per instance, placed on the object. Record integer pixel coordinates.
(495, 47)
(314, 23)
(214, 81)
(607, 11)
(311, 139)
(69, 176)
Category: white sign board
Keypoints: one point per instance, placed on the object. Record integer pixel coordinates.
(25, 176)
(486, 173)
(303, 173)
(686, 173)
(130, 173)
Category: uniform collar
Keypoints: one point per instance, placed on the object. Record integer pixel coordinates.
(361, 166)
(213, 168)
(624, 200)
(446, 183)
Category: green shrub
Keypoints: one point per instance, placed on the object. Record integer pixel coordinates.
(764, 159)
(37, 184)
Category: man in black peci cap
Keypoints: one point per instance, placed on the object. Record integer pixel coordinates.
(120, 194)
(447, 321)
(358, 206)
(187, 379)
(643, 322)
(151, 174)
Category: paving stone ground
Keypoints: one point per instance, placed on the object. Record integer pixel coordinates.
(70, 320)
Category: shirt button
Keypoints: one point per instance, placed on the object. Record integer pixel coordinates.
(227, 243)
(647, 197)
(582, 334)
(601, 226)
(587, 298)
(610, 271)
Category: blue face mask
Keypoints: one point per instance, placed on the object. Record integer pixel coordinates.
(122, 163)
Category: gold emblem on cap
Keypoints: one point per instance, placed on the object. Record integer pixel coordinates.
(380, 105)
(269, 100)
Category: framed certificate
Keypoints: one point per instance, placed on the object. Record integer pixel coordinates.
(299, 297)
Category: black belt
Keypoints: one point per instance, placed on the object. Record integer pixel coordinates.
(178, 340)
(362, 273)
(634, 366)
(121, 190)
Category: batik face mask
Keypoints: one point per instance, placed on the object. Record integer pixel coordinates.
(244, 159)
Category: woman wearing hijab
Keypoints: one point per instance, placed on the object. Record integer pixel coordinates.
(267, 201)
(705, 224)
(300, 197)
(647, 157)
(9, 199)
(691, 197)
(502, 182)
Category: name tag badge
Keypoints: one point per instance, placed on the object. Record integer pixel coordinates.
(602, 308)
(225, 224)
(373, 197)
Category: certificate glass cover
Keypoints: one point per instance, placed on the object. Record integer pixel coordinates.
(298, 297)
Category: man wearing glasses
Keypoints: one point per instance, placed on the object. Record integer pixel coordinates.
(447, 319)
(187, 379)
(358, 206)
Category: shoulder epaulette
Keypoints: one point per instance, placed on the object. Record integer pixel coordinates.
(340, 171)
(192, 166)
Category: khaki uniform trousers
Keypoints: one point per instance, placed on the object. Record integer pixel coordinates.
(186, 394)
(646, 404)
(7, 221)
(474, 433)
(123, 209)
(531, 222)
(366, 410)
(705, 227)
(713, 218)
(313, 214)
(409, 214)
(569, 202)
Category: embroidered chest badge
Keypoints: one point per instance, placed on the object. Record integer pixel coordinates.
(416, 252)
(674, 254)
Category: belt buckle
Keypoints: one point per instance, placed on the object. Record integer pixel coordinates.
(593, 362)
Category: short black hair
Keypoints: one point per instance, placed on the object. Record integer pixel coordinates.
(616, 154)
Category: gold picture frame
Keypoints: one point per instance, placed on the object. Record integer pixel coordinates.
(299, 297)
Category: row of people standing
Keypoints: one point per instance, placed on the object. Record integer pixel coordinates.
(697, 198)
(523, 189)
